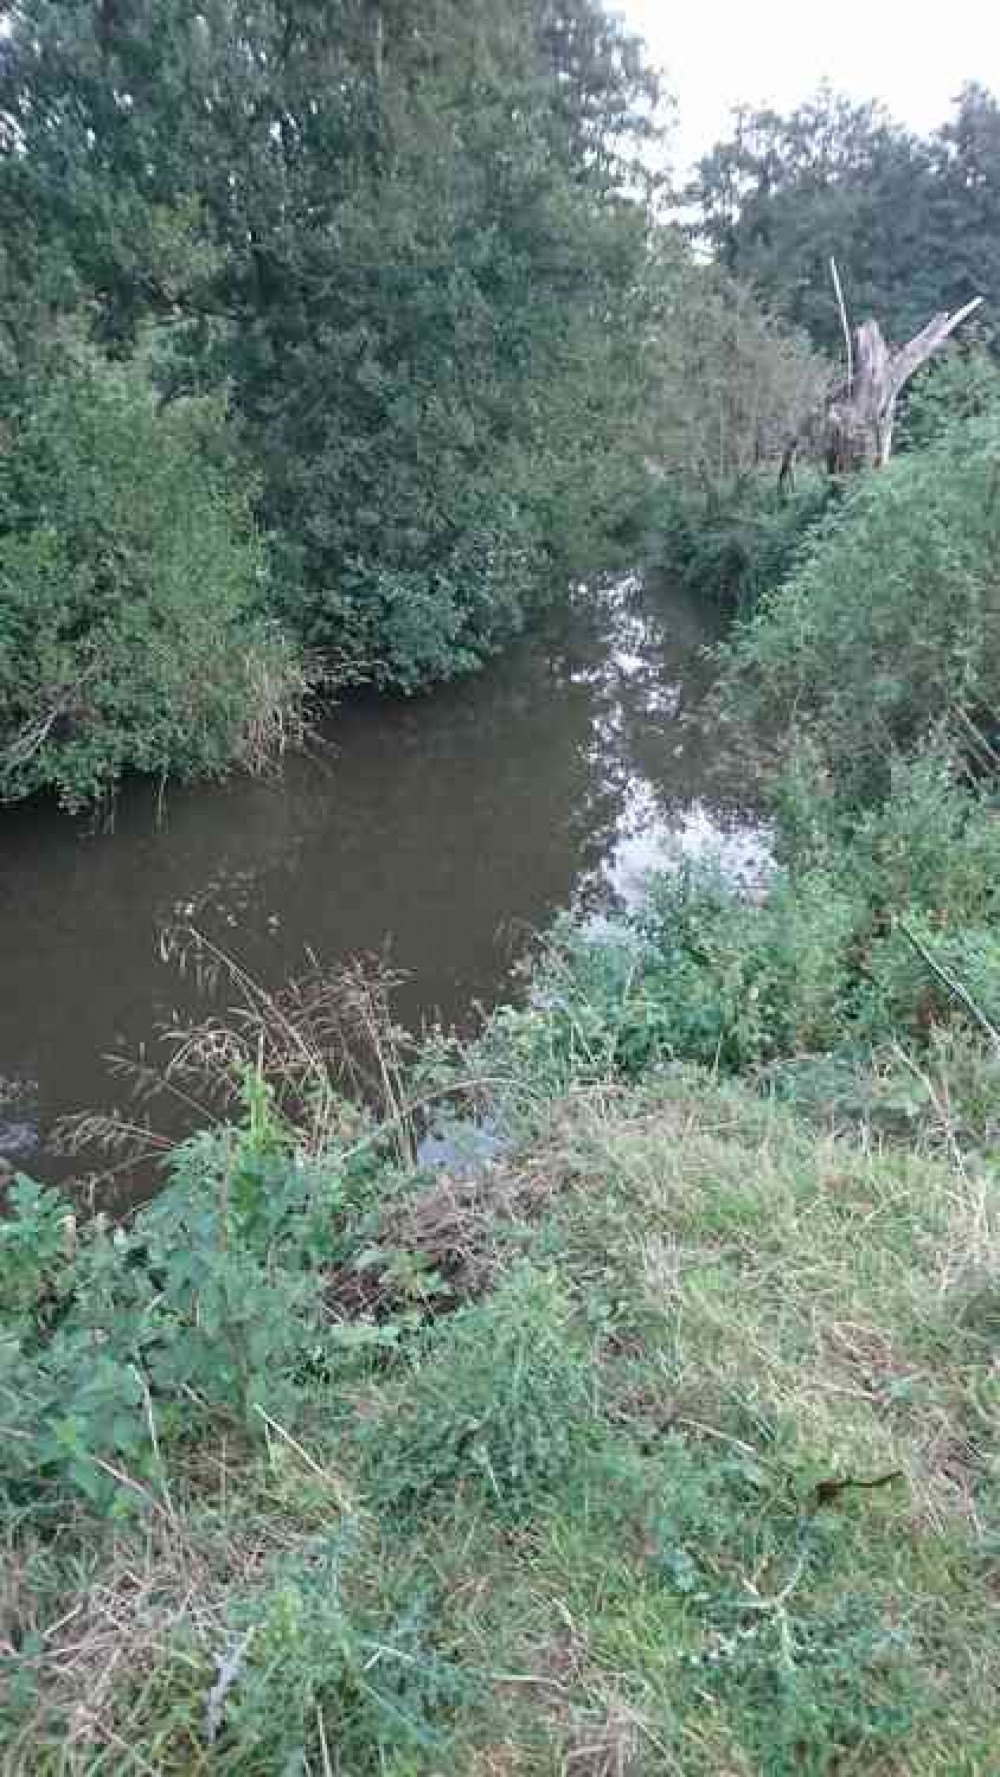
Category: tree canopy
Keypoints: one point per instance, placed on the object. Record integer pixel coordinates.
(401, 237)
(913, 222)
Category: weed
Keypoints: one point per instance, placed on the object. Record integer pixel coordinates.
(496, 1404)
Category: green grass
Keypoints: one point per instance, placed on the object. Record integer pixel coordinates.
(612, 1511)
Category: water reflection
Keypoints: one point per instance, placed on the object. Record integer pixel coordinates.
(431, 828)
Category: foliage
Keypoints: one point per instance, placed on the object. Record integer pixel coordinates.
(962, 384)
(697, 975)
(912, 222)
(117, 1339)
(728, 391)
(727, 386)
(864, 934)
(132, 634)
(404, 241)
(496, 1406)
(890, 626)
(739, 542)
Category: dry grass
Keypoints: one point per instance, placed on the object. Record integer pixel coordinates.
(609, 1745)
(457, 1230)
(282, 687)
(159, 1597)
(324, 1045)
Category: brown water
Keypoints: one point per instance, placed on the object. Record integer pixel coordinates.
(440, 829)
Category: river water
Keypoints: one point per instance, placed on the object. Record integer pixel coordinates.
(439, 830)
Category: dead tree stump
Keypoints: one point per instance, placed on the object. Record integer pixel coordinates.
(860, 419)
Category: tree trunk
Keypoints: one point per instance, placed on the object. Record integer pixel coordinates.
(860, 419)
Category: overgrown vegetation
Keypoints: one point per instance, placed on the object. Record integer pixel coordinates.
(665, 1443)
(133, 624)
(733, 542)
(867, 678)
(654, 1427)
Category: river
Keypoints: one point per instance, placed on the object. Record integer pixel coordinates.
(439, 830)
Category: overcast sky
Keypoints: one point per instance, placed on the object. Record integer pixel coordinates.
(910, 53)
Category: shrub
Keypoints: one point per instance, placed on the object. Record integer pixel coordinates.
(730, 549)
(870, 930)
(115, 1341)
(963, 384)
(131, 587)
(892, 623)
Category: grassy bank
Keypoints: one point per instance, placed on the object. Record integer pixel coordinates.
(666, 1442)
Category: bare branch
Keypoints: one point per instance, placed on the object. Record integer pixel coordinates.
(860, 419)
(924, 344)
(838, 287)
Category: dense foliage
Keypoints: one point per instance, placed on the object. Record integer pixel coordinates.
(406, 256)
(729, 543)
(132, 590)
(913, 222)
(890, 630)
(403, 240)
(727, 391)
(726, 386)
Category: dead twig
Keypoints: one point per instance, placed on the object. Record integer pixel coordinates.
(845, 324)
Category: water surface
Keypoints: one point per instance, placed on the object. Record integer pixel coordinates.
(439, 830)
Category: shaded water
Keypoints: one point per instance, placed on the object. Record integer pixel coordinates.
(438, 829)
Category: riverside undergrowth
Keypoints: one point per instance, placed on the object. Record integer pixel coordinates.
(658, 1436)
(665, 1441)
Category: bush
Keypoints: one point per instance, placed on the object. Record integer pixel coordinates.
(732, 548)
(864, 923)
(117, 1342)
(891, 625)
(963, 384)
(131, 593)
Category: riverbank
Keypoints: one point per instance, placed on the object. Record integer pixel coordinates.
(664, 1443)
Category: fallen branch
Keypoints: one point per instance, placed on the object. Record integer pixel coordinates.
(951, 983)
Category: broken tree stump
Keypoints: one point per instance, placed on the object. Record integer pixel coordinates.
(860, 419)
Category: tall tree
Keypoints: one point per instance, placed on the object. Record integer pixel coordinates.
(913, 223)
(402, 234)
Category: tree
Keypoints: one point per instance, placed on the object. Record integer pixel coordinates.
(726, 385)
(914, 224)
(966, 208)
(404, 236)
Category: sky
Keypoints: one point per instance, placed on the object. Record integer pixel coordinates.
(720, 53)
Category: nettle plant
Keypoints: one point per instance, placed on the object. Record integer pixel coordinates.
(114, 1341)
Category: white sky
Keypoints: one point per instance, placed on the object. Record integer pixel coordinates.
(720, 53)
